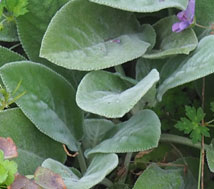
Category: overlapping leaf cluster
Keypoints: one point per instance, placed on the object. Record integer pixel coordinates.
(71, 101)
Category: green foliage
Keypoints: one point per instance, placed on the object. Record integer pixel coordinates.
(62, 39)
(189, 68)
(192, 124)
(6, 99)
(210, 155)
(141, 132)
(115, 89)
(2, 4)
(6, 56)
(212, 106)
(37, 20)
(94, 45)
(155, 177)
(51, 115)
(142, 5)
(33, 146)
(207, 18)
(16, 7)
(11, 9)
(170, 43)
(156, 155)
(95, 131)
(8, 170)
(100, 166)
(8, 32)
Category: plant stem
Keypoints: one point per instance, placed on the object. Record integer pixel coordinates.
(181, 140)
(202, 138)
(200, 26)
(81, 160)
(211, 121)
(168, 164)
(126, 166)
(210, 125)
(199, 171)
(120, 70)
(14, 46)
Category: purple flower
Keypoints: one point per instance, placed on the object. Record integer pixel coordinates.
(186, 17)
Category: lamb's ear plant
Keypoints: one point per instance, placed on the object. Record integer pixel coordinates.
(104, 93)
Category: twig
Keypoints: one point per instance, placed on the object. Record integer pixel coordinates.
(68, 153)
(126, 167)
(200, 26)
(170, 165)
(14, 46)
(202, 137)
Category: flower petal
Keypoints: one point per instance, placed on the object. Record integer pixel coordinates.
(180, 26)
(181, 16)
(186, 17)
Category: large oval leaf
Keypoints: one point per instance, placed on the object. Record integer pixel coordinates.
(100, 166)
(170, 43)
(49, 101)
(143, 5)
(198, 65)
(109, 95)
(32, 26)
(33, 146)
(106, 38)
(156, 178)
(141, 132)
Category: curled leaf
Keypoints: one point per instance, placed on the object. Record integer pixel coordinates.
(8, 147)
(22, 182)
(48, 179)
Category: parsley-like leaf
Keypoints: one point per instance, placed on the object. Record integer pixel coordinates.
(8, 169)
(192, 124)
(17, 7)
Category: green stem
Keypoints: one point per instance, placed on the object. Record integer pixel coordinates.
(126, 166)
(2, 22)
(200, 26)
(202, 158)
(107, 182)
(180, 140)
(211, 121)
(120, 70)
(81, 160)
(199, 171)
(14, 46)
